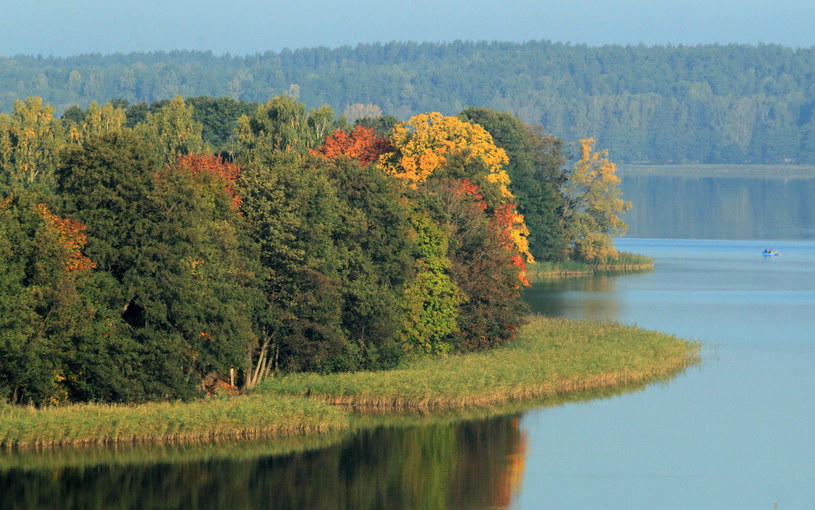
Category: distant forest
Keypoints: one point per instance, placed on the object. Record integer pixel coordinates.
(657, 104)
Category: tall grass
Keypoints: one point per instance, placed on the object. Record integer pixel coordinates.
(625, 263)
(552, 358)
(133, 454)
(239, 417)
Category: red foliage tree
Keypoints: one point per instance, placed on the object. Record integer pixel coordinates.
(360, 144)
(214, 165)
(71, 235)
(504, 219)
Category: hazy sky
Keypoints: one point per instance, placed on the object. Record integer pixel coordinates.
(240, 27)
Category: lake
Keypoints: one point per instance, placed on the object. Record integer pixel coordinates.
(734, 433)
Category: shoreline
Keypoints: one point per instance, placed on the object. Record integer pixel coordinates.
(625, 264)
(550, 360)
(611, 269)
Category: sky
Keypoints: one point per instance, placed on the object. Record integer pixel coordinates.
(245, 27)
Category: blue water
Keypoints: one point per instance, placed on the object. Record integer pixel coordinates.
(735, 433)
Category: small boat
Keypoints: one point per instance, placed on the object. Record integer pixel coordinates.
(771, 253)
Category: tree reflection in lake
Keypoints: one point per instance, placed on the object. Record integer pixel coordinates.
(556, 298)
(472, 465)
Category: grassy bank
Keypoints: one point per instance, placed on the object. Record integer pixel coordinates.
(625, 263)
(552, 357)
(174, 422)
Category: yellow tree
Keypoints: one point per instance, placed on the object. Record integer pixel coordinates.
(593, 204)
(174, 128)
(425, 143)
(103, 119)
(30, 140)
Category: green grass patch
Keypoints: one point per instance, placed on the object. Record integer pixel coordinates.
(204, 420)
(551, 358)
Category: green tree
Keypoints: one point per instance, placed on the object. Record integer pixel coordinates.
(168, 258)
(535, 167)
(42, 313)
(173, 129)
(482, 265)
(294, 211)
(373, 242)
(431, 297)
(283, 124)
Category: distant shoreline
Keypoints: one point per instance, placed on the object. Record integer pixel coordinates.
(717, 171)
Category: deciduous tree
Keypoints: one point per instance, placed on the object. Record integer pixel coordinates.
(360, 144)
(593, 204)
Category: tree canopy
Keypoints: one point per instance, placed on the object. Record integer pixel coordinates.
(145, 259)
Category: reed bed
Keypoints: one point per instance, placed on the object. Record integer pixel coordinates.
(169, 422)
(134, 454)
(552, 358)
(625, 263)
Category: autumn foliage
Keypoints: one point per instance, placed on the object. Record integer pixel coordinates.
(593, 204)
(510, 225)
(71, 235)
(360, 144)
(424, 143)
(329, 248)
(214, 165)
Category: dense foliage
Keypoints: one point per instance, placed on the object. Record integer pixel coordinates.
(155, 252)
(663, 104)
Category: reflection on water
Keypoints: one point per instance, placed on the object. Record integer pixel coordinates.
(555, 298)
(477, 464)
(720, 207)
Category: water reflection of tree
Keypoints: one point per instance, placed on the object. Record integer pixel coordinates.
(468, 465)
(558, 299)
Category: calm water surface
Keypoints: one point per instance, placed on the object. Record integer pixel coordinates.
(734, 433)
(720, 207)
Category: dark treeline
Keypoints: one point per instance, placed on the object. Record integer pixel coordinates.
(660, 104)
(154, 251)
